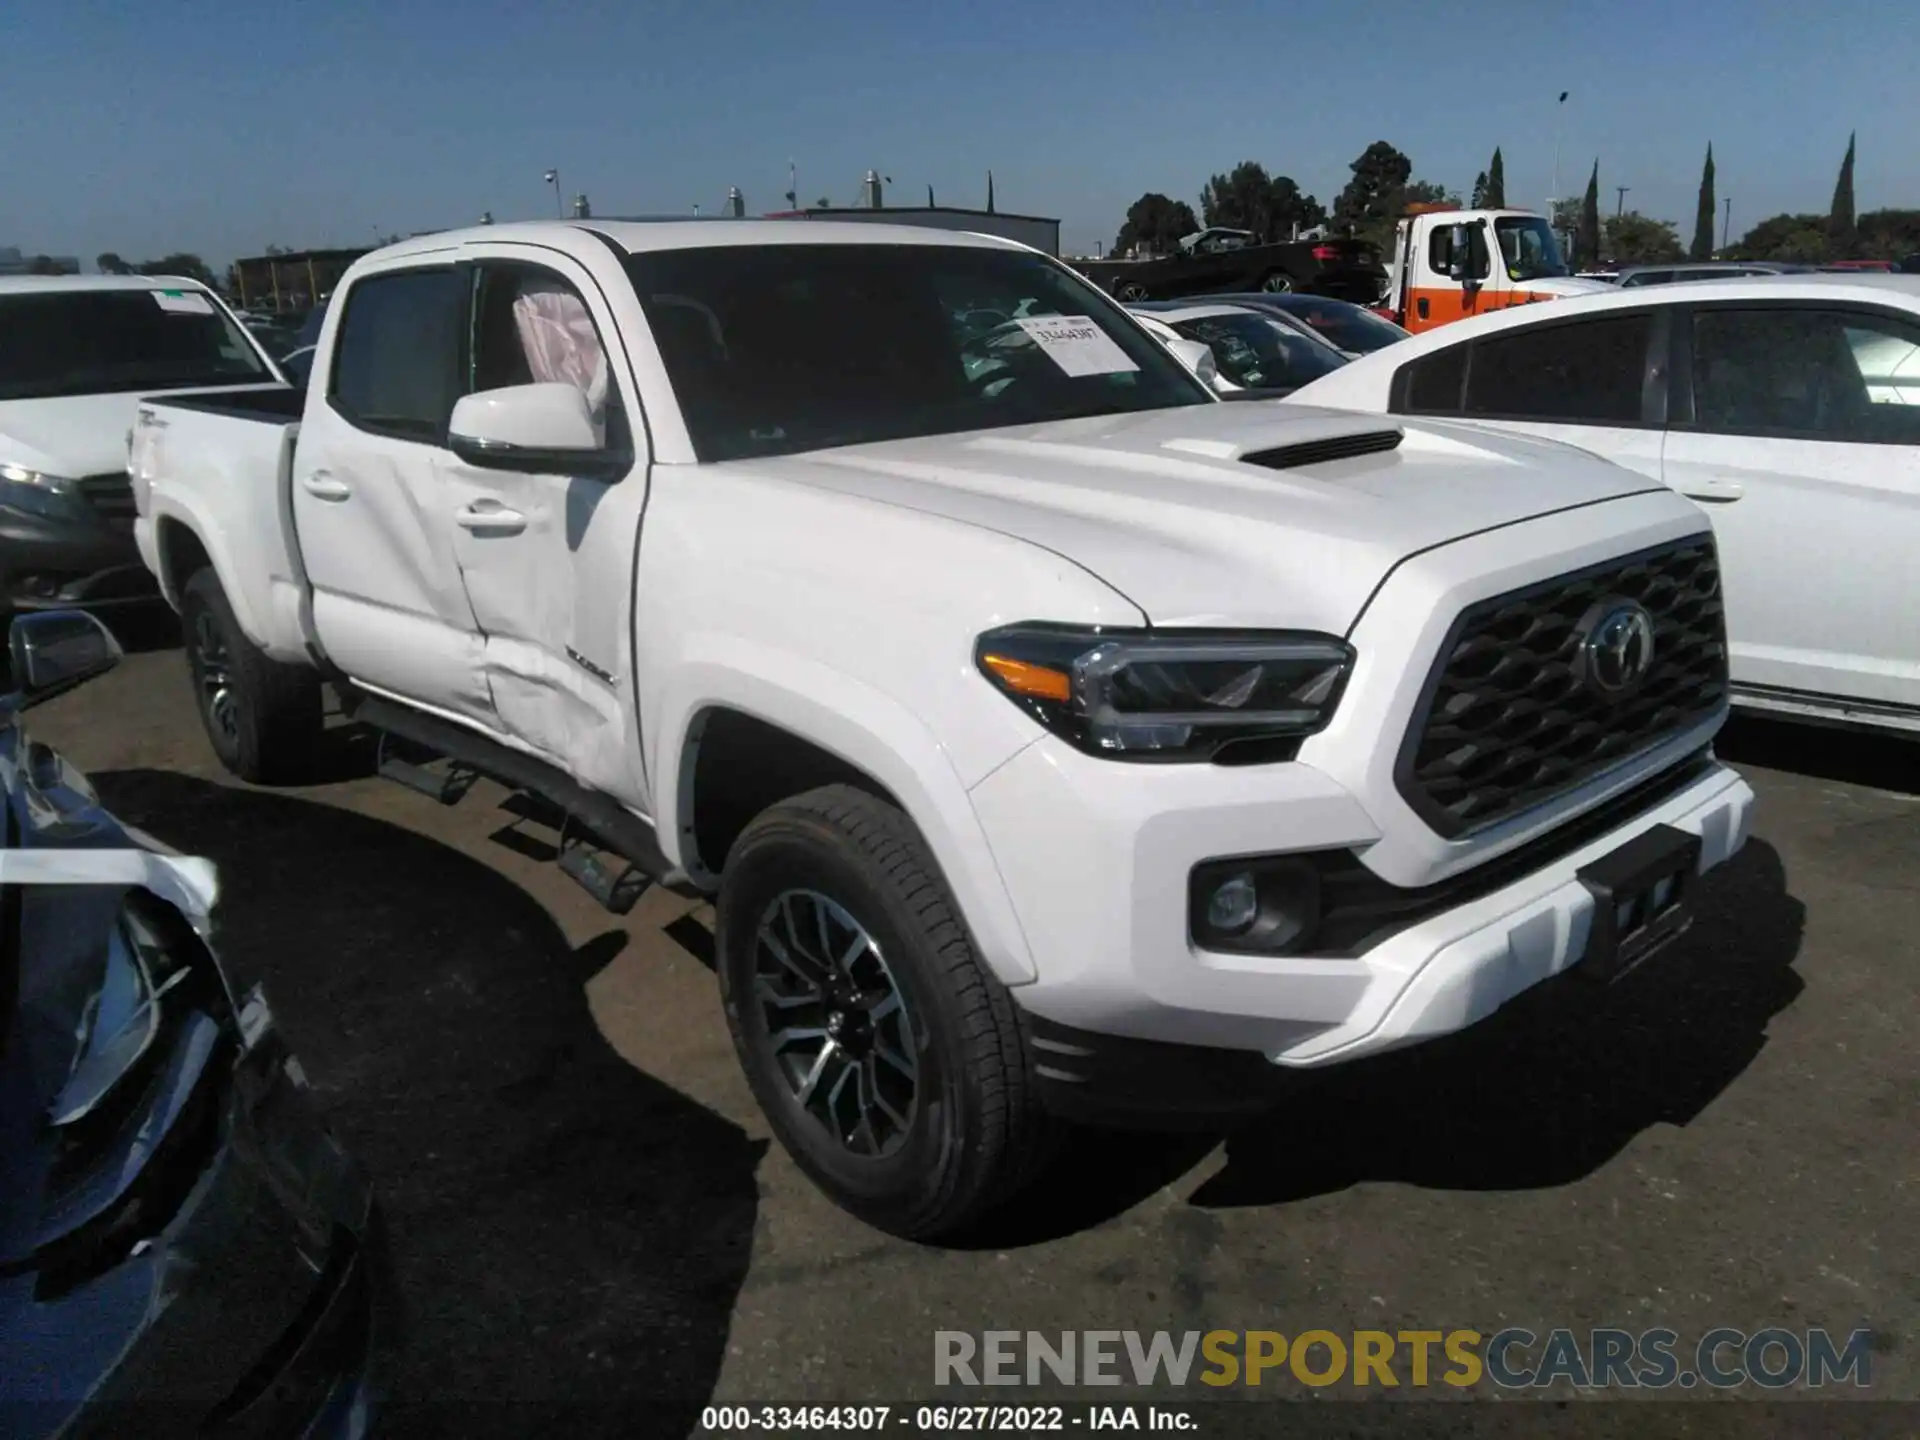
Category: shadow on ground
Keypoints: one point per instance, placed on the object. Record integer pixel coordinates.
(1556, 1083)
(1879, 760)
(569, 1233)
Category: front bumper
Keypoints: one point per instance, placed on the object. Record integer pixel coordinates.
(1097, 857)
(60, 564)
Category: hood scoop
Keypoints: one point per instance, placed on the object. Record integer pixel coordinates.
(1319, 452)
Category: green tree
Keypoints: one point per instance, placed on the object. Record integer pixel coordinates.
(1889, 234)
(1247, 198)
(1426, 192)
(1703, 214)
(1479, 190)
(1372, 199)
(1497, 182)
(1636, 239)
(1586, 237)
(1840, 226)
(108, 263)
(180, 263)
(1155, 223)
(42, 265)
(1799, 238)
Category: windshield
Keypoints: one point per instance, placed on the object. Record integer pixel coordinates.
(99, 342)
(779, 349)
(1261, 354)
(1528, 246)
(1344, 326)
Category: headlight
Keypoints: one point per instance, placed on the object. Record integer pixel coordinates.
(1170, 694)
(33, 492)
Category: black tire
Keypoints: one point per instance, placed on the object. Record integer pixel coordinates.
(1277, 283)
(975, 1131)
(1130, 292)
(263, 717)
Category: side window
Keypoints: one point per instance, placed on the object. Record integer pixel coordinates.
(1440, 251)
(1584, 372)
(1432, 384)
(530, 326)
(396, 361)
(1816, 374)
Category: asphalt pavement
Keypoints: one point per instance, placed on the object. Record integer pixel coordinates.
(592, 1226)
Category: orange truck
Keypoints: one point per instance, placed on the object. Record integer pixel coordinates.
(1449, 264)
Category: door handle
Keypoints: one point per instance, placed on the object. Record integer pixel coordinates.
(322, 486)
(1713, 492)
(492, 519)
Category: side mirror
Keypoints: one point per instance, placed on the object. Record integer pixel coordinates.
(1459, 253)
(54, 650)
(1198, 358)
(541, 428)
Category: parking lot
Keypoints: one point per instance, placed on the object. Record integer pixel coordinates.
(585, 1207)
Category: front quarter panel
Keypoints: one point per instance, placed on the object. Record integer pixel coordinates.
(852, 624)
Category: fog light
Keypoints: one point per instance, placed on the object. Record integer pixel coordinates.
(1234, 904)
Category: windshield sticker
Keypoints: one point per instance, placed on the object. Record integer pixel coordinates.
(181, 302)
(1077, 345)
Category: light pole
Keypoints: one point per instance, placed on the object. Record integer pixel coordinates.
(1726, 225)
(1620, 205)
(1553, 205)
(552, 177)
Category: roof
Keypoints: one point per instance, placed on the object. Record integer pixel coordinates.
(30, 284)
(639, 236)
(1866, 288)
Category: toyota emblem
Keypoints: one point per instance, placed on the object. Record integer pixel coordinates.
(1616, 649)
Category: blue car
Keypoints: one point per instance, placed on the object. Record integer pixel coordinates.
(184, 1246)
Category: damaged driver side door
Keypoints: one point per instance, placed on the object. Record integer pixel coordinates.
(547, 558)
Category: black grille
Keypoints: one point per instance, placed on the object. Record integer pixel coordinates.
(111, 497)
(1507, 723)
(1319, 452)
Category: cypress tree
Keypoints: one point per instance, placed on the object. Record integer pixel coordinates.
(1703, 216)
(1840, 214)
(1496, 182)
(1586, 240)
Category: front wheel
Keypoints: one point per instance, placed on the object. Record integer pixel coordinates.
(1277, 284)
(887, 1057)
(263, 717)
(1130, 292)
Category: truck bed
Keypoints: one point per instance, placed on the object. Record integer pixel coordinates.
(213, 472)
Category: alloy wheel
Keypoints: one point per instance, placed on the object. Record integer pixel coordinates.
(213, 669)
(836, 1022)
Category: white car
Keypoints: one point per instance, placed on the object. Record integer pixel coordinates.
(76, 354)
(1788, 406)
(1055, 740)
(1253, 353)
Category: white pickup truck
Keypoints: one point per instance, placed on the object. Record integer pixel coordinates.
(1056, 741)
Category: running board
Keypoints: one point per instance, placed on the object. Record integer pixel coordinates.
(448, 786)
(586, 815)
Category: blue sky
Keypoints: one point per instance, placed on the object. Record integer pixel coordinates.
(222, 127)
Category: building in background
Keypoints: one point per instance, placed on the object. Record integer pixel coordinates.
(1036, 230)
(13, 262)
(294, 280)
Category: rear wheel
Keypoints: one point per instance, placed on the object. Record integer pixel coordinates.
(888, 1059)
(1129, 292)
(263, 717)
(1277, 284)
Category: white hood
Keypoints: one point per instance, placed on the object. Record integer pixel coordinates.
(1161, 506)
(74, 435)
